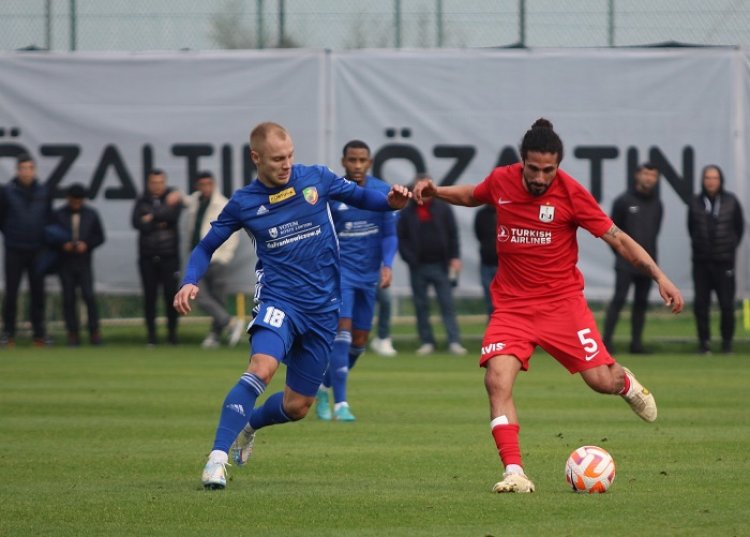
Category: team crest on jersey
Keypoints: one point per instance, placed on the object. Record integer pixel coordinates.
(311, 195)
(547, 213)
(281, 196)
(273, 232)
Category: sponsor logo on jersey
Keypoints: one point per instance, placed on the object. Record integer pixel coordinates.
(281, 196)
(633, 209)
(529, 236)
(492, 347)
(503, 234)
(547, 213)
(261, 210)
(296, 237)
(501, 201)
(273, 232)
(343, 207)
(311, 195)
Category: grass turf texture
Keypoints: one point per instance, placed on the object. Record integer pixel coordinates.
(111, 441)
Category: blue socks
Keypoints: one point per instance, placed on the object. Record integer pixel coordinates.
(339, 365)
(269, 413)
(237, 409)
(354, 354)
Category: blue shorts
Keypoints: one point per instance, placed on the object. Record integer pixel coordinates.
(302, 342)
(358, 304)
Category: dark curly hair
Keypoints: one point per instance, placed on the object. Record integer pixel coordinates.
(541, 137)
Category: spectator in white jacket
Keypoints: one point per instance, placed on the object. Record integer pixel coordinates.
(201, 208)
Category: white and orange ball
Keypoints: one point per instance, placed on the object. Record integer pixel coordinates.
(590, 469)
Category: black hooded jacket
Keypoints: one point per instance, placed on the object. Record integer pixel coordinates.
(715, 226)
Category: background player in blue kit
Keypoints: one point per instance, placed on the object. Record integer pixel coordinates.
(368, 245)
(285, 211)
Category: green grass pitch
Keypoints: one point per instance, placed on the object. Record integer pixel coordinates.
(111, 441)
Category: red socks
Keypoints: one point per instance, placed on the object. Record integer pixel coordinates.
(506, 440)
(626, 387)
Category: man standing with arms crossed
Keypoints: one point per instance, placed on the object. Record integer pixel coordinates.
(297, 293)
(538, 290)
(156, 214)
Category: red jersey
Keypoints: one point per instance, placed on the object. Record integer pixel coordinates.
(536, 236)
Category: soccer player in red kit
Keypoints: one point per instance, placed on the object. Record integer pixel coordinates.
(538, 290)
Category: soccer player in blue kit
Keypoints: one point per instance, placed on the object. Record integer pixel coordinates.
(368, 245)
(286, 213)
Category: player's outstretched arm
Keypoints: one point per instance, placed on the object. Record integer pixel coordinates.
(634, 253)
(183, 297)
(455, 194)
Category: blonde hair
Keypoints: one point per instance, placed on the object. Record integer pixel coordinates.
(263, 131)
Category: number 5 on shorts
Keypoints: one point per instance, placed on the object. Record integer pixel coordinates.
(589, 344)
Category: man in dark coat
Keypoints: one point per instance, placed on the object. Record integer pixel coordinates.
(156, 215)
(638, 212)
(716, 225)
(428, 243)
(75, 230)
(25, 207)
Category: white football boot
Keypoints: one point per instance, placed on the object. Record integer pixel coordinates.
(640, 399)
(215, 474)
(242, 447)
(514, 483)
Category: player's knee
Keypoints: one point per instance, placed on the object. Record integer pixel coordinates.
(498, 385)
(298, 408)
(263, 374)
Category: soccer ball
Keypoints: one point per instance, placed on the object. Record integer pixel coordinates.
(590, 469)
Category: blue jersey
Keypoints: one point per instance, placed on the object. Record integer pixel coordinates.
(361, 236)
(293, 234)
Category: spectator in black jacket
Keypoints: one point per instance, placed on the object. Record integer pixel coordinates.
(155, 216)
(715, 224)
(428, 243)
(638, 212)
(485, 230)
(75, 230)
(25, 206)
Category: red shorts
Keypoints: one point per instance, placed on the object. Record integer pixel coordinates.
(565, 328)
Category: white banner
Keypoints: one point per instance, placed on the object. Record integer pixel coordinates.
(103, 119)
(459, 113)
